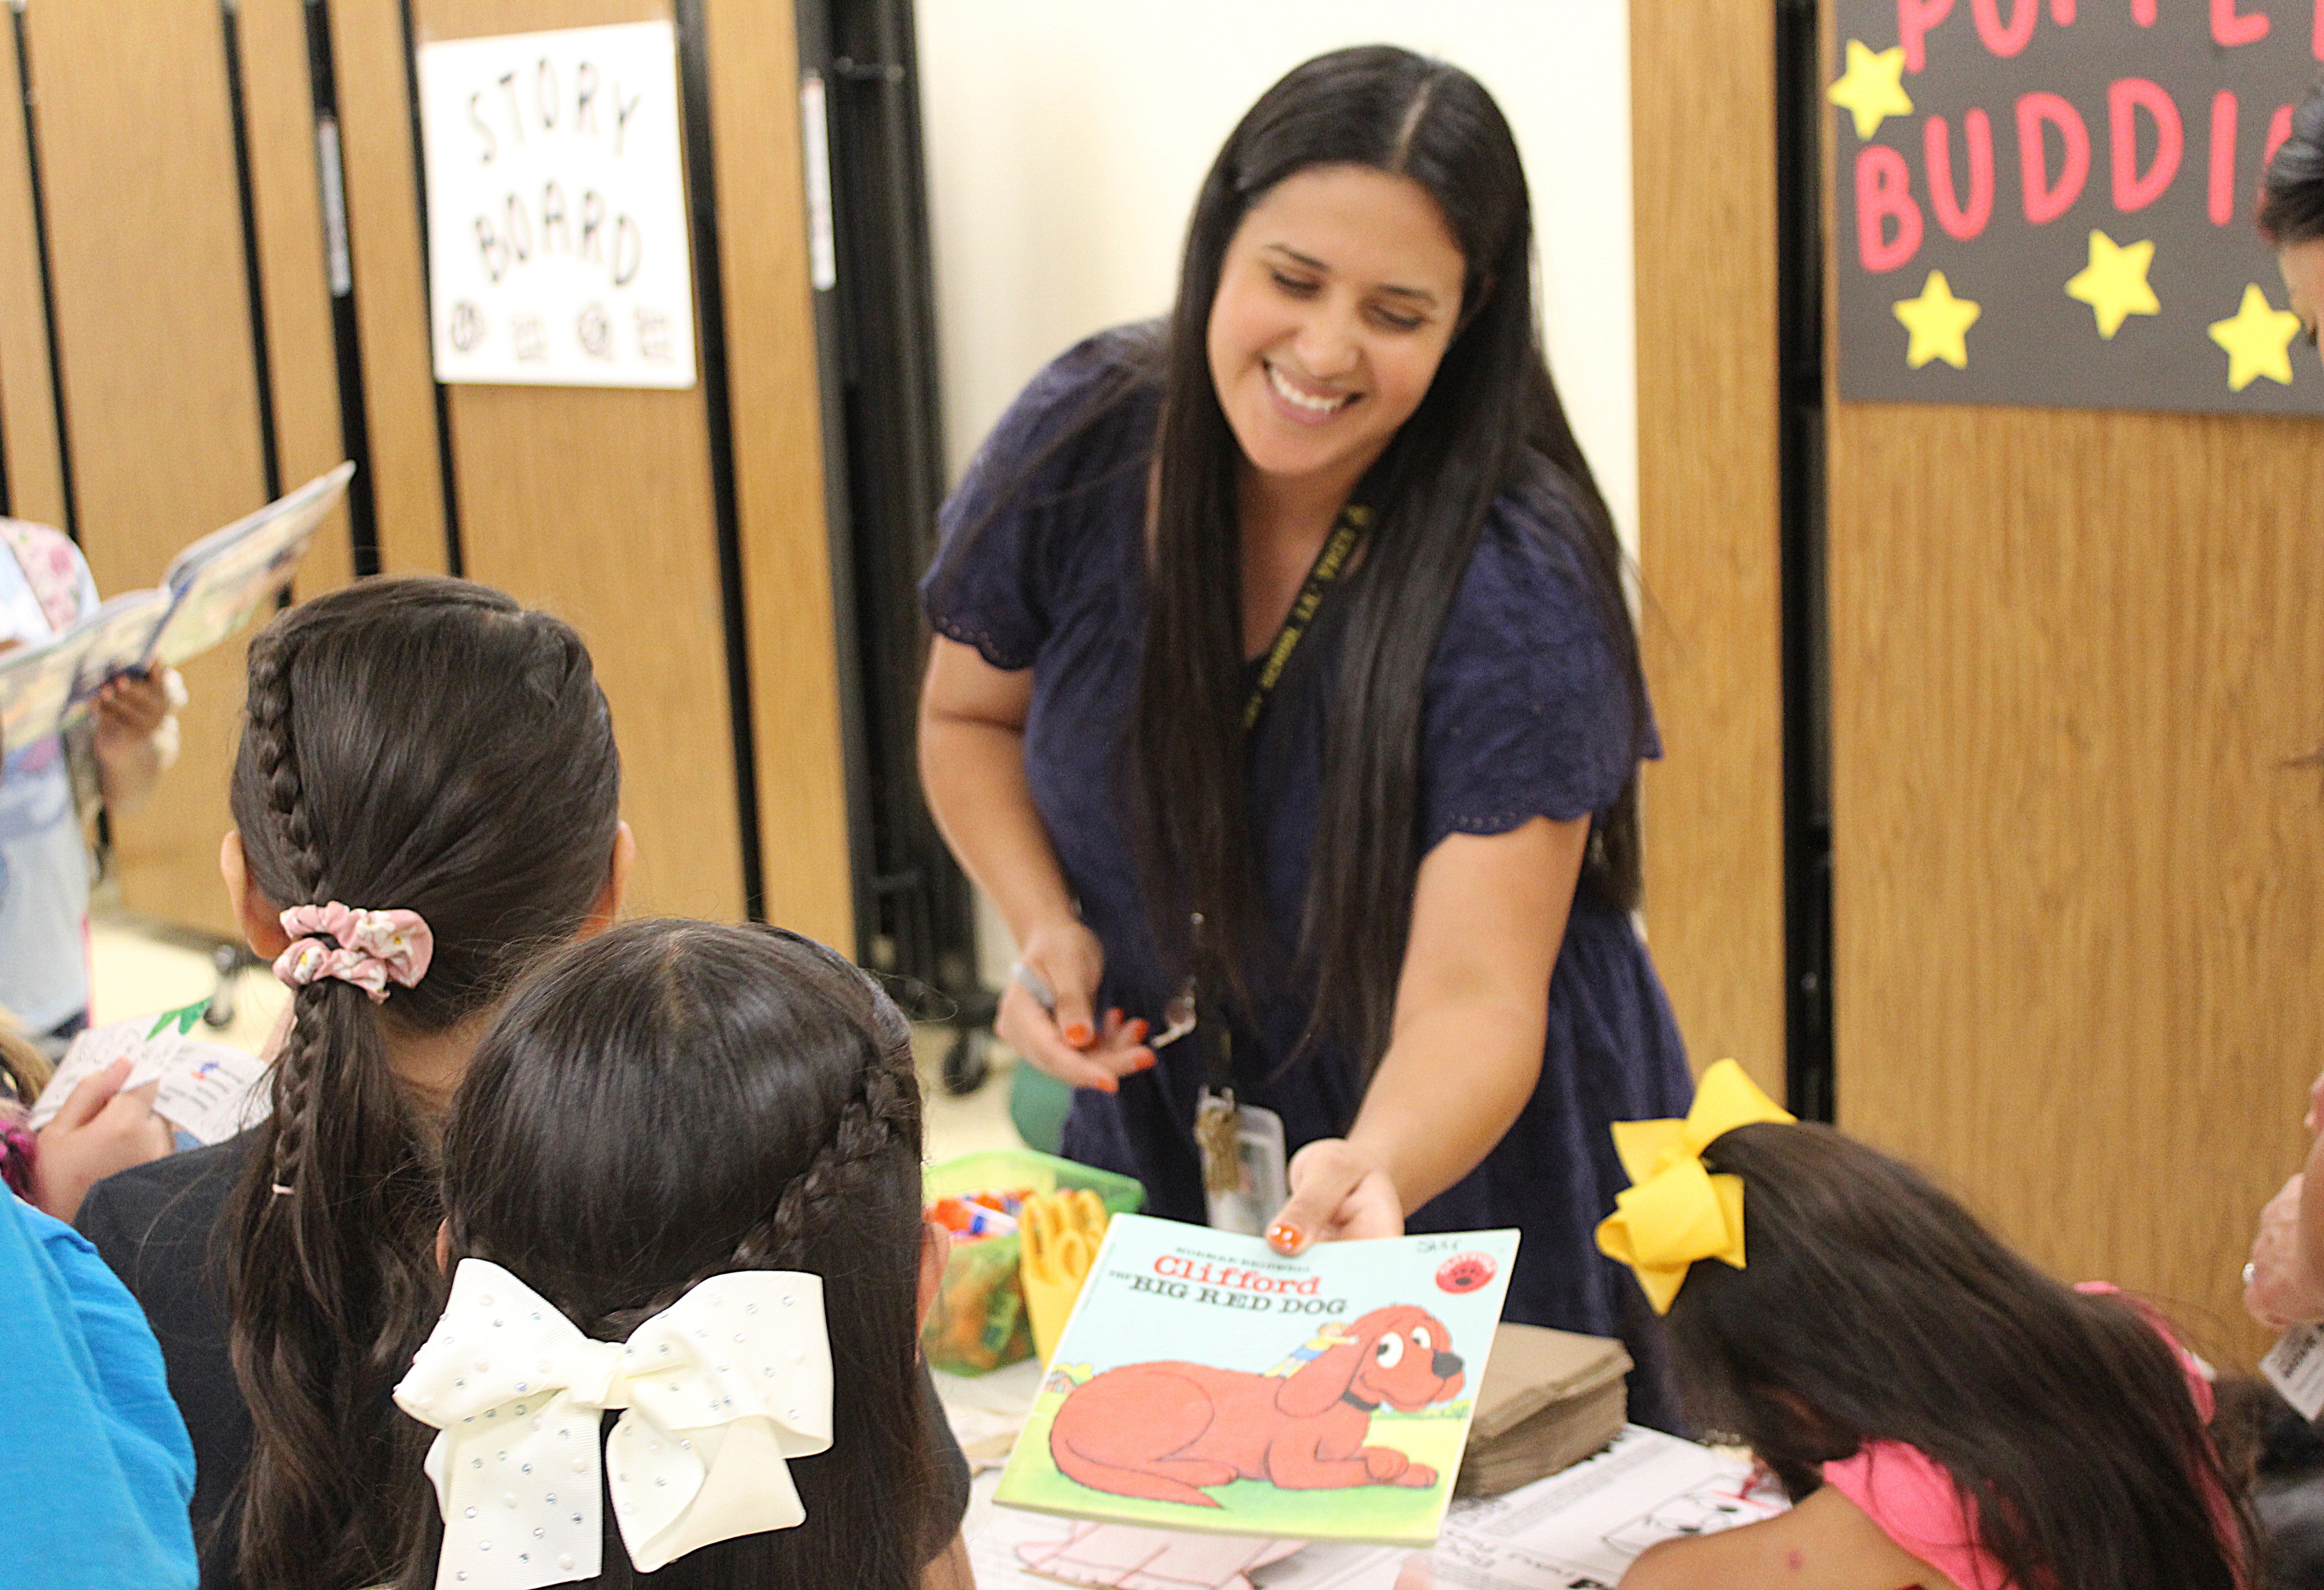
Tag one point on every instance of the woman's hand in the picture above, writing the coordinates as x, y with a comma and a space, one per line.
100, 1130
1337, 1191
973, 768
2284, 1288
1068, 1042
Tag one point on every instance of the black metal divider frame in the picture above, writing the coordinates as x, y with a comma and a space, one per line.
1810, 1070
875, 317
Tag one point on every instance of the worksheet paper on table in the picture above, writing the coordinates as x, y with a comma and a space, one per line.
1580, 1529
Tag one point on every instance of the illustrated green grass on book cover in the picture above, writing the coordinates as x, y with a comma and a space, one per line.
1205, 1381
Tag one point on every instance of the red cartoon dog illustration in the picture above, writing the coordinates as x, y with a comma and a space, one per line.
1166, 1431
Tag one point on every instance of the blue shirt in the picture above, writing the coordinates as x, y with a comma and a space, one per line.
1527, 713
93, 1459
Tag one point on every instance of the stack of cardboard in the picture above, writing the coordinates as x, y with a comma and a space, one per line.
1550, 1399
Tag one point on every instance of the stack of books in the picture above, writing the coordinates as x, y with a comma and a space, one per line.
1550, 1399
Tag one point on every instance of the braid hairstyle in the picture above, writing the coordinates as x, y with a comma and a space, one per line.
670, 1100
420, 744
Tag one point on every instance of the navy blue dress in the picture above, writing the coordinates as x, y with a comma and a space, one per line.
1525, 715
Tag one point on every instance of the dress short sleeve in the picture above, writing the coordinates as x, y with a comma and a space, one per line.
1000, 551
1913, 1500
1529, 711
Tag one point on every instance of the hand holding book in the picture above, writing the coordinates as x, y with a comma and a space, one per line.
211, 590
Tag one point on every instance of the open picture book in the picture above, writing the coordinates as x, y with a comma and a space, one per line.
1204, 1381
211, 590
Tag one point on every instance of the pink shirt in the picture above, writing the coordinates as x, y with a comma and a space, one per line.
1911, 1496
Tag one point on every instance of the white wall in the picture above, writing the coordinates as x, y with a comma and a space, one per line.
1065, 140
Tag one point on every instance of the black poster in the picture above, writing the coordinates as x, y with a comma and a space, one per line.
2050, 202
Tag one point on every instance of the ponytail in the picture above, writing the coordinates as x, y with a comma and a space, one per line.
421, 744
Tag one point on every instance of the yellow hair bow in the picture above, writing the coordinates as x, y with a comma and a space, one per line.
1674, 1211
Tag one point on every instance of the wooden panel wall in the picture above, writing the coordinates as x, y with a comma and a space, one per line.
390, 268
598, 504
1702, 85
286, 198
28, 415
160, 397
770, 342
2079, 897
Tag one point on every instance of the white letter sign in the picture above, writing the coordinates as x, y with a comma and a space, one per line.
556, 234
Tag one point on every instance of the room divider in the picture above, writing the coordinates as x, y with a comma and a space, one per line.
2040, 674
212, 243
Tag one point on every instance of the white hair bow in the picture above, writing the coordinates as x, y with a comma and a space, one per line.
720, 1388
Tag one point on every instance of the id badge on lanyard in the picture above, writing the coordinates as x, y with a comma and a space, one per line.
2295, 1367
1245, 1174
1246, 1178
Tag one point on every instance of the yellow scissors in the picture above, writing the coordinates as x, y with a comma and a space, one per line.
1059, 1233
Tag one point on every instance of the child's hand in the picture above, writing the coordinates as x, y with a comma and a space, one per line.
100, 1130
129, 707
136, 733
2283, 1291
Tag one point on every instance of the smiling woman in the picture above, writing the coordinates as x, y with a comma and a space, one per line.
1285, 685
1338, 296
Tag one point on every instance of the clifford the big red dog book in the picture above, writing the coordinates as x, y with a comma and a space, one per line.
1205, 1381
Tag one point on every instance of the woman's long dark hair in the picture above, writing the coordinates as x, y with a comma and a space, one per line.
1490, 423
2291, 188
414, 745
670, 1100
1873, 1308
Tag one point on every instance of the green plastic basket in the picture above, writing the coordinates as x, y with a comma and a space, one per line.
979, 1323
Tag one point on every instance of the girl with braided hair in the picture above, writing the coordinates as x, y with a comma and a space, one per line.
682, 1179
426, 800
431, 755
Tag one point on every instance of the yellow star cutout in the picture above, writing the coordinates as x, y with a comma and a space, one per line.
1873, 89
1939, 323
2114, 283
2258, 341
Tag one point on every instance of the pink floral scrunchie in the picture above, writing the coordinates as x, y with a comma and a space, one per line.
369, 948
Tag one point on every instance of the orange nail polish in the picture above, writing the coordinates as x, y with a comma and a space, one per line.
1079, 1035
1137, 1030
1107, 1084
1283, 1237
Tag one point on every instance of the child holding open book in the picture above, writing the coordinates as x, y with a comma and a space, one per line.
44, 861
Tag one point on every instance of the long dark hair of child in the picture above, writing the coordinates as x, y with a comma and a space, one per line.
1874, 1307
670, 1100
2291, 188
414, 745
1491, 420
